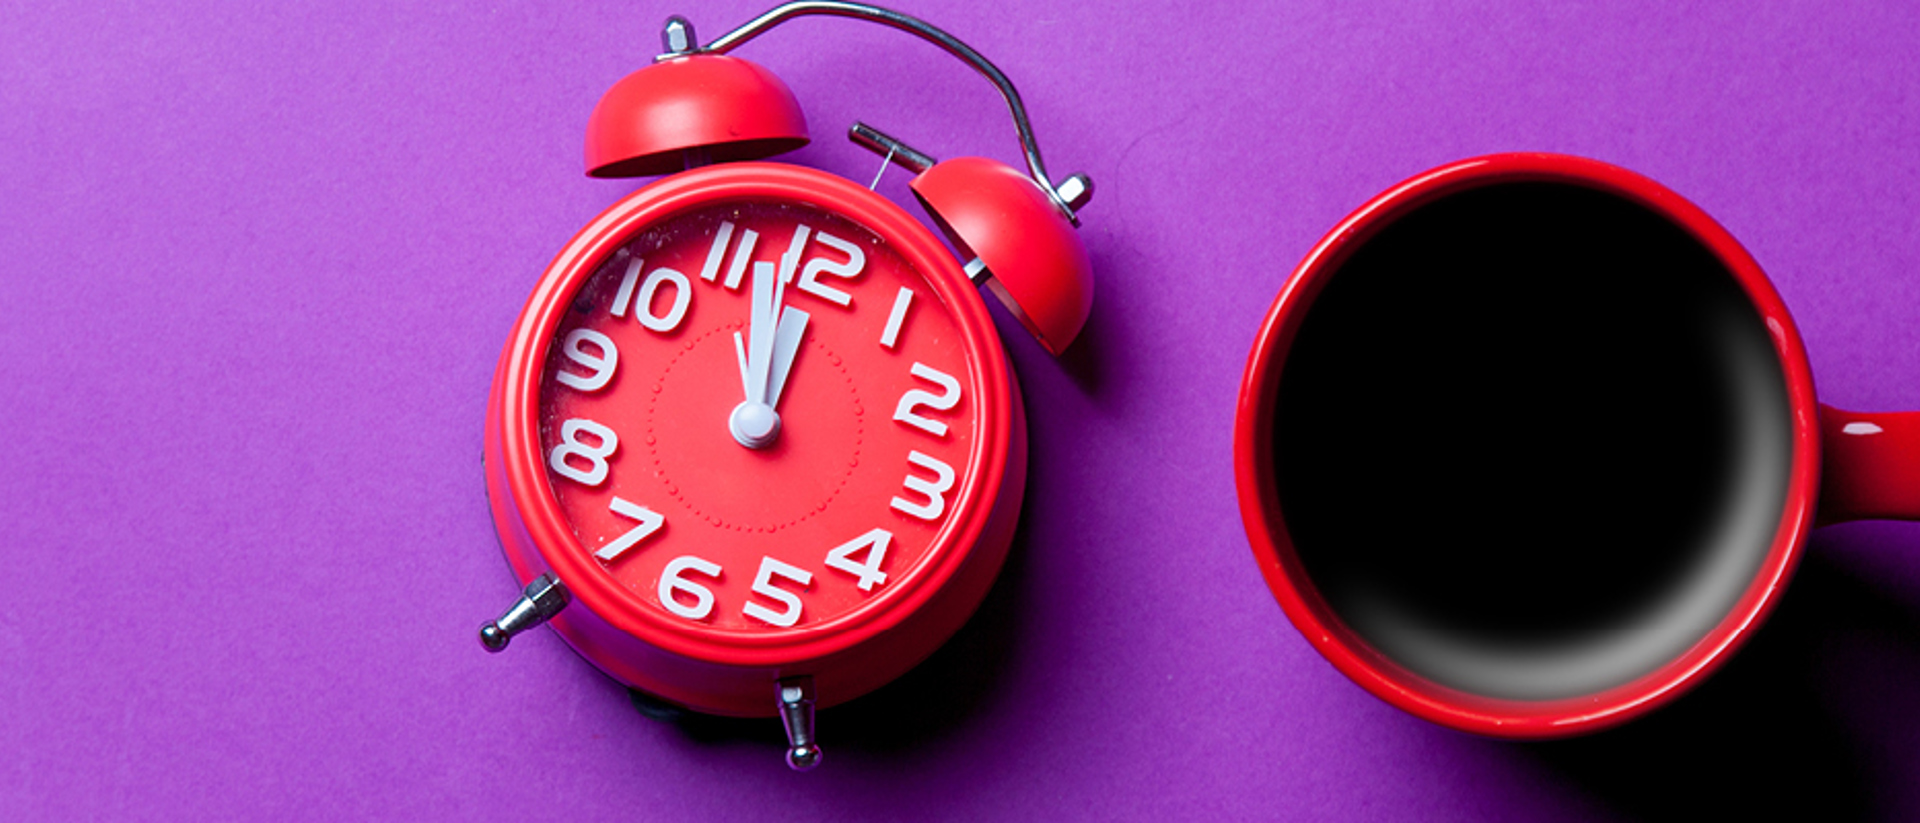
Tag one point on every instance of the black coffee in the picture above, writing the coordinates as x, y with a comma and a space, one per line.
1532, 441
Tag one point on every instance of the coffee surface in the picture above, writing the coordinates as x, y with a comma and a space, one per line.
1532, 441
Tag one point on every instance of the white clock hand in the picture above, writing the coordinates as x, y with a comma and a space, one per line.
766, 355
754, 423
740, 352
786, 343
760, 330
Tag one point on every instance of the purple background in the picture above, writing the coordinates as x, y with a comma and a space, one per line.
259, 262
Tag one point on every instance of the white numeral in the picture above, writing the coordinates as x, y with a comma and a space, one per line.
763, 586
671, 582
602, 364
935, 491
945, 401
624, 297
717, 251
851, 267
891, 334
650, 521
643, 304
741, 257
875, 544
790, 261
594, 455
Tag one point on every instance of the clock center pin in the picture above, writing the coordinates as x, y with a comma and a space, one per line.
754, 425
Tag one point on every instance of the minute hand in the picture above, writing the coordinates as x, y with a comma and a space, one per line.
754, 423
760, 331
789, 324
786, 343
775, 318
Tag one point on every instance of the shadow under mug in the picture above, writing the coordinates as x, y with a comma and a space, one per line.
1528, 446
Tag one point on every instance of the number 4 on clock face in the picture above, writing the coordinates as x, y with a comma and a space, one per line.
873, 545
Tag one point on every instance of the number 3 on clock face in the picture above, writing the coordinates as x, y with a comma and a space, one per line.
770, 429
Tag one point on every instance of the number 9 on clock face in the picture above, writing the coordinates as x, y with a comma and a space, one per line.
759, 423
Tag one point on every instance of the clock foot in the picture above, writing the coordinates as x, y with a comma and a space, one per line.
796, 713
542, 599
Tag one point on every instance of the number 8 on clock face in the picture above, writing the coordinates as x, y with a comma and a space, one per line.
759, 421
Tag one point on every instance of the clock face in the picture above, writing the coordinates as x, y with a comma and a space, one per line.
758, 419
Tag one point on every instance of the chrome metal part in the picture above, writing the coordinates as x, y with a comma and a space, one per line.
796, 713
890, 147
976, 270
677, 37
925, 31
1077, 190
538, 603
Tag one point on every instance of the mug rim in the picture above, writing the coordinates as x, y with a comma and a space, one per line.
1351, 654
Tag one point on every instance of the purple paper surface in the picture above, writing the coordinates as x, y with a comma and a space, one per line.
260, 262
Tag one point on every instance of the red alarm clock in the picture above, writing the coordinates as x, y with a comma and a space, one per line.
753, 445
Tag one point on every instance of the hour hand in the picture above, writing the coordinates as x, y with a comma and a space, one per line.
746, 380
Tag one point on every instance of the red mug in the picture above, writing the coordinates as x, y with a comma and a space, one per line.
1528, 446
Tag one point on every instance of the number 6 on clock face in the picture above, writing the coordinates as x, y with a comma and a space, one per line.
771, 417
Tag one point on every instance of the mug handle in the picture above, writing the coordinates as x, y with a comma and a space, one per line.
1871, 466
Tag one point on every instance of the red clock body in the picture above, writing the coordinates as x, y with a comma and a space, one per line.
759, 423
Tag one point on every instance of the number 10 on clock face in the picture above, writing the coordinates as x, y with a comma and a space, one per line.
771, 434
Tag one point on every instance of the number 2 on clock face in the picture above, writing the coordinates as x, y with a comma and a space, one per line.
661, 378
